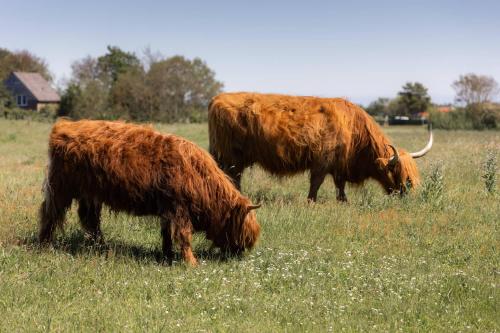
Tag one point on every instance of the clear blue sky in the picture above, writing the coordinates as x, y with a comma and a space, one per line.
356, 49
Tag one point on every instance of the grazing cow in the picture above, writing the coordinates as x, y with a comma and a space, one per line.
137, 170
291, 134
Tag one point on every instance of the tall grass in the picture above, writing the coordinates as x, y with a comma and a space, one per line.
378, 263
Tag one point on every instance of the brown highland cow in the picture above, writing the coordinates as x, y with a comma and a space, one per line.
135, 169
291, 134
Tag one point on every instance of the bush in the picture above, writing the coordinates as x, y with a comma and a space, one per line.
454, 120
477, 117
490, 172
45, 114
433, 186
485, 116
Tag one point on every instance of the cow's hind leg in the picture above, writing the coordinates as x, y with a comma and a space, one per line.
166, 233
90, 218
52, 212
317, 178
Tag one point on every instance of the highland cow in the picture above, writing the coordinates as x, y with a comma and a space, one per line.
286, 135
140, 171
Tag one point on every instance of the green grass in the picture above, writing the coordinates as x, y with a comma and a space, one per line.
379, 263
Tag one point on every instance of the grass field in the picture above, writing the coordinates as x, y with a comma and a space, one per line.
427, 262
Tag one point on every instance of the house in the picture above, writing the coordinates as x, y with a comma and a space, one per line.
31, 91
444, 108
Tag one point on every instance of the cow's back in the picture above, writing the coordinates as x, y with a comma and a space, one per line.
115, 163
135, 168
284, 134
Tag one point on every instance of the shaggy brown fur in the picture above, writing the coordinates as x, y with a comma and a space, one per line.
134, 169
291, 134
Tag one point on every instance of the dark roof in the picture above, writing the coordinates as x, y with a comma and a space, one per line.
38, 86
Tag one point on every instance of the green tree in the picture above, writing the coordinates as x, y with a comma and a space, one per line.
87, 93
92, 102
117, 62
413, 99
182, 88
396, 107
378, 107
69, 100
117, 85
131, 98
91, 92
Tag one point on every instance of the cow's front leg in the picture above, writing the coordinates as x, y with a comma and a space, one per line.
341, 196
89, 213
182, 230
234, 172
185, 236
317, 178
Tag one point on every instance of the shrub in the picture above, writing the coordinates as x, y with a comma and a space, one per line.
453, 120
490, 172
45, 114
433, 186
484, 116
476, 116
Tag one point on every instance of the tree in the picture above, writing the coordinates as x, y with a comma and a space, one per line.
117, 62
413, 99
69, 100
91, 102
395, 107
475, 89
22, 61
6, 98
91, 92
87, 93
84, 71
378, 107
131, 98
117, 85
181, 88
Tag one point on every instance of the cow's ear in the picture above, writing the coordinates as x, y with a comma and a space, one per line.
252, 207
382, 163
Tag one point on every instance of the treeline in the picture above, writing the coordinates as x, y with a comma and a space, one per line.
120, 85
479, 116
473, 109
411, 101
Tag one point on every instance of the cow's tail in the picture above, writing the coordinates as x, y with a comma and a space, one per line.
212, 129
55, 203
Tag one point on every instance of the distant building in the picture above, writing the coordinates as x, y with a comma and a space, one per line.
444, 108
31, 91
416, 119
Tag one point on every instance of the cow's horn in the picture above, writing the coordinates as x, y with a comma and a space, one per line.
428, 147
251, 207
395, 158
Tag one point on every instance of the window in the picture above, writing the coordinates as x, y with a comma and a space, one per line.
22, 100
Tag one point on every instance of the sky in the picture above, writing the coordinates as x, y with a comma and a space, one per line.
360, 50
